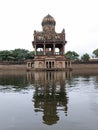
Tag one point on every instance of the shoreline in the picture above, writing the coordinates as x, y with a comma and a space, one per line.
76, 68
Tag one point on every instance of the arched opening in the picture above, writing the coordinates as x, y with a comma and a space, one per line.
40, 64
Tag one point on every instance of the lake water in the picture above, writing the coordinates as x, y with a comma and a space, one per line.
48, 101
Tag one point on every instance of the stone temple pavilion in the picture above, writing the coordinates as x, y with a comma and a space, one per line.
49, 48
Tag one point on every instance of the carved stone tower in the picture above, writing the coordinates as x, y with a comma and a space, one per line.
49, 47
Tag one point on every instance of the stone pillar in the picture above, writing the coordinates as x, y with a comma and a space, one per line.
44, 50
54, 48
45, 64
35, 49
63, 49
54, 64
70, 64
51, 64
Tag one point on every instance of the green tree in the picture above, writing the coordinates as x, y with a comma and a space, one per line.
85, 57
30, 55
19, 54
72, 55
5, 55
95, 52
16, 54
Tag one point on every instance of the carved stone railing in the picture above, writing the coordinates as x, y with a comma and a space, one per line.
49, 53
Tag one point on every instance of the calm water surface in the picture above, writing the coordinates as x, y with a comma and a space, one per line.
48, 100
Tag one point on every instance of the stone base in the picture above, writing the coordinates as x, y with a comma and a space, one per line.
49, 63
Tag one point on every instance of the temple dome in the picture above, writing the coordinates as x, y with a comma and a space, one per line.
48, 20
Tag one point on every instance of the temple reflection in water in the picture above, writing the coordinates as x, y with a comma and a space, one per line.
50, 94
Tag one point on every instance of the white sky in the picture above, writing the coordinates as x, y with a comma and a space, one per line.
19, 19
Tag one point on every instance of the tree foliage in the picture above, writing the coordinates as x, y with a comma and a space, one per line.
95, 52
16, 54
72, 55
20, 54
85, 57
5, 55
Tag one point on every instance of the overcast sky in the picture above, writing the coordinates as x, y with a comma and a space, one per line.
79, 18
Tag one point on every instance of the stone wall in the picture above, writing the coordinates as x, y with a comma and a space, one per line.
39, 64
75, 67
85, 68
13, 67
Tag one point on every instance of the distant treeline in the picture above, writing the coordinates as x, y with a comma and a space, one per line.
84, 58
16, 55
22, 55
